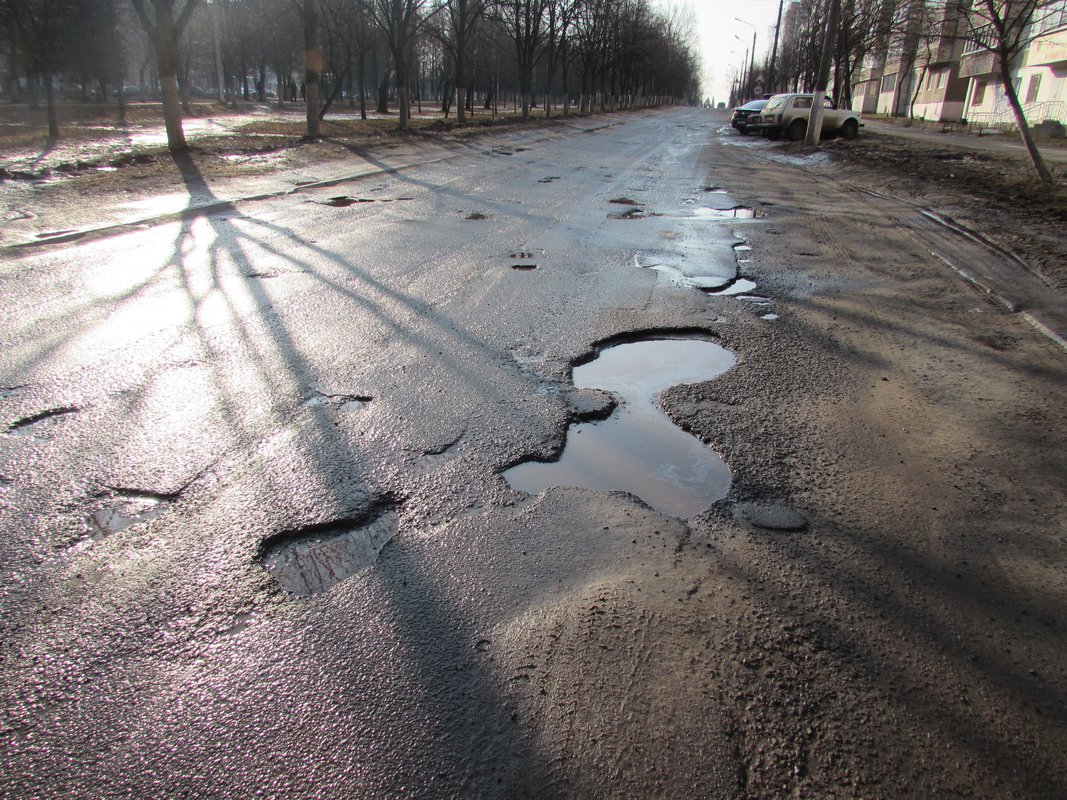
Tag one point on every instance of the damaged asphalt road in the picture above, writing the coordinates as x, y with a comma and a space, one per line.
257, 536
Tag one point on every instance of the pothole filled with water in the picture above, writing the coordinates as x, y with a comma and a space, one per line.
638, 449
311, 560
737, 212
128, 508
736, 287
343, 402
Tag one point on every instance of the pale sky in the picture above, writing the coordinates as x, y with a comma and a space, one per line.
717, 27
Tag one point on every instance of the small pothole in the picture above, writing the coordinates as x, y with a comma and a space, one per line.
36, 423
343, 402
313, 559
630, 213
343, 201
737, 212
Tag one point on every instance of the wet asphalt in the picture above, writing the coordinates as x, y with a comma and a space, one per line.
182, 401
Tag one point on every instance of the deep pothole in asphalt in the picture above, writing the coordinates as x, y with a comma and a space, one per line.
638, 449
41, 422
311, 560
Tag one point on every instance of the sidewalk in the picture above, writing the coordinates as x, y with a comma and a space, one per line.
1051, 151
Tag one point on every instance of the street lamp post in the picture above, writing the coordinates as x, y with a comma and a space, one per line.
751, 77
735, 88
744, 74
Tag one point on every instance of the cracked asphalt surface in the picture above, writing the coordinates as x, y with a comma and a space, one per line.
875, 610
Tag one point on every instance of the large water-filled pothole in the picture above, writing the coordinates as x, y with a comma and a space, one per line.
310, 560
638, 449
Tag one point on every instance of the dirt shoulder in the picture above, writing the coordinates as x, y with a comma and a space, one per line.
103, 174
908, 642
994, 193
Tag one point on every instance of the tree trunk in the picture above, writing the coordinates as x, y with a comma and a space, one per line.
461, 85
362, 85
167, 64
566, 82
335, 90
383, 96
405, 111
915, 94
312, 67
50, 107
1042, 169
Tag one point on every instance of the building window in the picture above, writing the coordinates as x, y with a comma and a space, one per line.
889, 82
1049, 17
942, 78
1033, 88
979, 93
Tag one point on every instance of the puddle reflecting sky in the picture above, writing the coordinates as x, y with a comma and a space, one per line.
638, 449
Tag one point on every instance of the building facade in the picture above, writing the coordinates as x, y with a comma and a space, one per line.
946, 74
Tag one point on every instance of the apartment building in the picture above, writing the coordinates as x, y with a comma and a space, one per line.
1040, 77
937, 71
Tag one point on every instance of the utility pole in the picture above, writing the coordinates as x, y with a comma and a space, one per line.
823, 77
774, 49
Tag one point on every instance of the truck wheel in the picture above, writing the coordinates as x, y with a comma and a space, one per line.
797, 129
850, 129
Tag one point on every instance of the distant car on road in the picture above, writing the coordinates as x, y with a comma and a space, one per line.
742, 114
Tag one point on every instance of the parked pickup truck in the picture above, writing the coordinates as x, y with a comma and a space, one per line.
788, 114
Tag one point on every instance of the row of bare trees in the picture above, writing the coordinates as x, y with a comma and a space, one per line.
615, 52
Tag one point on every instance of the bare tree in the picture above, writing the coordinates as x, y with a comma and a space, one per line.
400, 22
526, 25
164, 21
37, 27
461, 17
1005, 29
